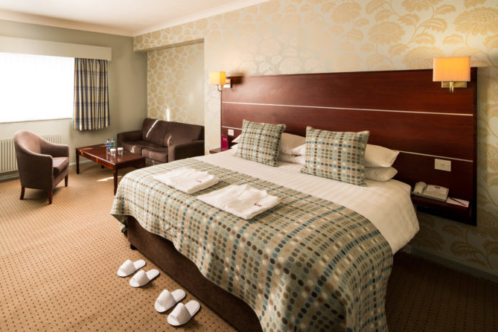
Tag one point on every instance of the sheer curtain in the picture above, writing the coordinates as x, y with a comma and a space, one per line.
35, 87
91, 94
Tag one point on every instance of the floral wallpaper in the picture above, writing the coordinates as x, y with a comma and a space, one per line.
310, 36
175, 89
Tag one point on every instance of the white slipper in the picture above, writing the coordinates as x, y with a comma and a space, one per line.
142, 278
167, 300
129, 267
182, 314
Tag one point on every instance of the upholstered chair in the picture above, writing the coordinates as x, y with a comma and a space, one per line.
42, 165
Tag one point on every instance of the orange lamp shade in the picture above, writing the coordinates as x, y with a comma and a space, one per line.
453, 69
218, 78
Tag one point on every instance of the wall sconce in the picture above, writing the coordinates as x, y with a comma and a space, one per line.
220, 80
452, 72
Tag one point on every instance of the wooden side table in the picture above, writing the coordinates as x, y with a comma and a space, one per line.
463, 214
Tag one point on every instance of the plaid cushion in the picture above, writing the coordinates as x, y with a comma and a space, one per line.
260, 142
336, 155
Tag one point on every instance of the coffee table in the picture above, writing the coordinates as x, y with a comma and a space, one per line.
98, 154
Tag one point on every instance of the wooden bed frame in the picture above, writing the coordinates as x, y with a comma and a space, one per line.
404, 110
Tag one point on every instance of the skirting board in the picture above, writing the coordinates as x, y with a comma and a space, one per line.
15, 174
454, 265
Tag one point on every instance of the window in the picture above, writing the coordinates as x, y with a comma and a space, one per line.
35, 87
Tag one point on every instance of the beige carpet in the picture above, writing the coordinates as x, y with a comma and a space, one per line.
58, 263
58, 268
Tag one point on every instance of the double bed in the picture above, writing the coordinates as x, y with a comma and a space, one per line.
320, 260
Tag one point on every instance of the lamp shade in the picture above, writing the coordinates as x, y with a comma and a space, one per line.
218, 78
454, 69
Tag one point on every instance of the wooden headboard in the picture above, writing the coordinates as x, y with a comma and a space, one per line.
403, 110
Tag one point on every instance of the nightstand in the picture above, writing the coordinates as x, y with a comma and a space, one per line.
213, 151
462, 214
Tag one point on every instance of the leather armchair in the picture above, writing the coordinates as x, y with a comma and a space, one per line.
41, 164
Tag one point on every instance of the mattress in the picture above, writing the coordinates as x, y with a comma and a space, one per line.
386, 204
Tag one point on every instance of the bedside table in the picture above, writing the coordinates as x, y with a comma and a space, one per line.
213, 151
466, 215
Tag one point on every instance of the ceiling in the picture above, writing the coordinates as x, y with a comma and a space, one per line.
121, 17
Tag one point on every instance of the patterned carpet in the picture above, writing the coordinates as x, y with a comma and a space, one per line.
58, 268
424, 296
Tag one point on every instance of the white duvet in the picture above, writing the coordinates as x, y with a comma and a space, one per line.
386, 204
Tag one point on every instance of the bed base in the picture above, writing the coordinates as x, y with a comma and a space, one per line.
181, 269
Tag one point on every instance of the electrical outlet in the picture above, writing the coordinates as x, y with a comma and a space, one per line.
230, 132
442, 165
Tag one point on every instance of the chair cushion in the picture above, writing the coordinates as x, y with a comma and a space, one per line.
137, 146
60, 164
159, 154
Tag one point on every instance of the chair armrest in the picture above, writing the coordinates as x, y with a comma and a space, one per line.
186, 150
135, 135
54, 150
35, 169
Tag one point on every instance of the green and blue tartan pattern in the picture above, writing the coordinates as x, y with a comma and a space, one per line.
260, 142
306, 265
338, 156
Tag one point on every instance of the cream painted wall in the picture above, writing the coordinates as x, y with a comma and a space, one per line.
175, 89
127, 80
308, 36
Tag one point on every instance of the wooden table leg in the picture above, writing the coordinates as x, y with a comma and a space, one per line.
115, 172
77, 162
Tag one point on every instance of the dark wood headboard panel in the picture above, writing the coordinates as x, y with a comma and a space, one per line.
403, 110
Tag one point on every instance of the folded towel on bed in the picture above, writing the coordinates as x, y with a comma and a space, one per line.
187, 179
243, 201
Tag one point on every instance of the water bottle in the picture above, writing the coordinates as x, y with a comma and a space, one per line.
108, 146
113, 143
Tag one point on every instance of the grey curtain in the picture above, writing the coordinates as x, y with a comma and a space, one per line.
91, 94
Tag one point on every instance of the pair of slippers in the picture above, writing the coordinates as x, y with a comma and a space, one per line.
141, 278
181, 314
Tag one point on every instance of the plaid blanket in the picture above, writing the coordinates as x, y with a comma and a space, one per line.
307, 264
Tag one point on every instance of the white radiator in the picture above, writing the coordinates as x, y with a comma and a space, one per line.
8, 162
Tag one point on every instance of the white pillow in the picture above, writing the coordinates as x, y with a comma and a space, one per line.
375, 155
292, 159
287, 142
300, 150
281, 156
237, 139
380, 173
379, 156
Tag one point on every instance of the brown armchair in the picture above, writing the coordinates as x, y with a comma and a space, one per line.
42, 165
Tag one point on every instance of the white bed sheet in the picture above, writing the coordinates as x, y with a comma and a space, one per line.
386, 204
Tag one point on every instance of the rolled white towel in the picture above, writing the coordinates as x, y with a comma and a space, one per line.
187, 179
243, 201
